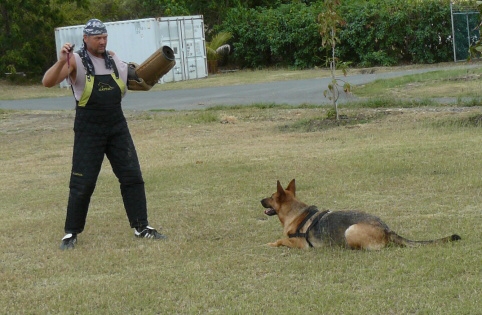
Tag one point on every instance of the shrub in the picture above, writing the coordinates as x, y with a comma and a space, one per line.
286, 35
388, 32
378, 32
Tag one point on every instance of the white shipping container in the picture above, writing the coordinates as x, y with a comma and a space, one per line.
136, 40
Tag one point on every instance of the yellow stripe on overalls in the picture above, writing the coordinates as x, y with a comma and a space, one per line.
89, 86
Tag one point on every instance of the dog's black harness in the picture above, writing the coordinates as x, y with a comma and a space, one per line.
311, 219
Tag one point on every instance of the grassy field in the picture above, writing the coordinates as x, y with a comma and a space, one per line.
206, 172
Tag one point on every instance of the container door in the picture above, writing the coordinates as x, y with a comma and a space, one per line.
170, 35
195, 50
185, 35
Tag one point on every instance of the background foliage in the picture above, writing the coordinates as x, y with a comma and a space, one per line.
389, 32
265, 32
286, 35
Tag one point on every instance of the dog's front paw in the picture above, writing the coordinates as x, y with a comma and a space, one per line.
275, 244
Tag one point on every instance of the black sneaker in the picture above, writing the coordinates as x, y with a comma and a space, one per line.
68, 241
148, 232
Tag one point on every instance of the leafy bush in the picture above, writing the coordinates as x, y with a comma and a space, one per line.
293, 34
377, 32
431, 41
286, 35
249, 41
388, 32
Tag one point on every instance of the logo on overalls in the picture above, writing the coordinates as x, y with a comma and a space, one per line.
103, 87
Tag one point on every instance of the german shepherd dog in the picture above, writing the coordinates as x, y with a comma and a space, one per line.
305, 226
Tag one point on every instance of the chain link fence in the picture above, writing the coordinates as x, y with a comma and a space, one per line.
465, 29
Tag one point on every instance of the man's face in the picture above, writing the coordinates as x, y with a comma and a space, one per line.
96, 44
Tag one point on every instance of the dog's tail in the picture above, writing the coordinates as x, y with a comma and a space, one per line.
403, 242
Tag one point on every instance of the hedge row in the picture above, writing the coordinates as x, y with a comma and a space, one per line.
377, 32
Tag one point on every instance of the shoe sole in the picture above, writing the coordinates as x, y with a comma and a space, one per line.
69, 245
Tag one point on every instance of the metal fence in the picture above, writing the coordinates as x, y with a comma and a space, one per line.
465, 30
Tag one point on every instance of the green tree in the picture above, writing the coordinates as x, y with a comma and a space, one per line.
27, 34
157, 8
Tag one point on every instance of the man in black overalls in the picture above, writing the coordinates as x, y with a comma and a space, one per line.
98, 79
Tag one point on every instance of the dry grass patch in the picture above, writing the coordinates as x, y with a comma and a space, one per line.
449, 82
205, 173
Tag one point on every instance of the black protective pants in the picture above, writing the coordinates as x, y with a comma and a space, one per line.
99, 133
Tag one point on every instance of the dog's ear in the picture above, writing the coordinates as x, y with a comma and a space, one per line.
292, 187
281, 191
279, 187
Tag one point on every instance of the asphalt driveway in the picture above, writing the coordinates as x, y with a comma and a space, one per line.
294, 92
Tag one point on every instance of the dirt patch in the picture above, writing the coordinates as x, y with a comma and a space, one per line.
351, 120
468, 77
360, 117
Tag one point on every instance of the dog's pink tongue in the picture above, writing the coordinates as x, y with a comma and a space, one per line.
270, 211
